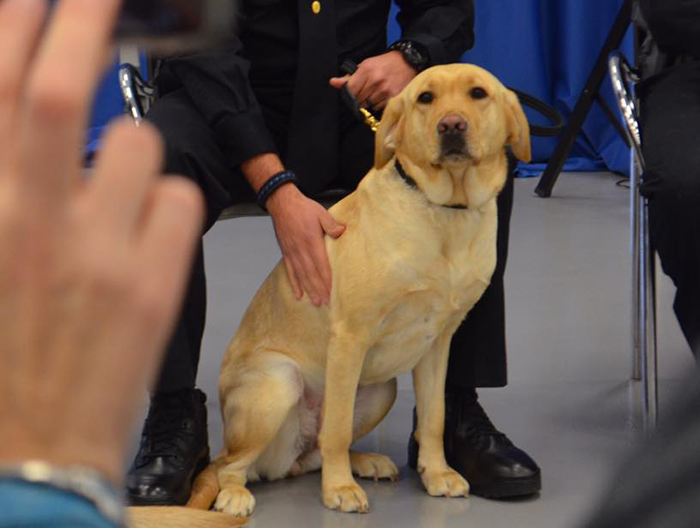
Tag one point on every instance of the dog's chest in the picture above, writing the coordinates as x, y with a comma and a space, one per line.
422, 315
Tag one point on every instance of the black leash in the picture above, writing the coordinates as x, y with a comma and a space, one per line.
361, 114
551, 114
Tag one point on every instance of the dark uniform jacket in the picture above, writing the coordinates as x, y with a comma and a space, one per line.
268, 91
675, 25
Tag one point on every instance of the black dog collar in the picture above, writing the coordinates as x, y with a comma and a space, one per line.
412, 183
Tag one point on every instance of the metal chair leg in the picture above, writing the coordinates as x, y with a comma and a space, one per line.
643, 264
636, 264
647, 323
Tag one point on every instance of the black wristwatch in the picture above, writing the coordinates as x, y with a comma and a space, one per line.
413, 53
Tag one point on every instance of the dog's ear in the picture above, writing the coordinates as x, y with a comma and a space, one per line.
389, 132
518, 127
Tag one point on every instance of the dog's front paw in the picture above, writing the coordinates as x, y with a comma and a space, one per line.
236, 501
347, 498
445, 483
373, 466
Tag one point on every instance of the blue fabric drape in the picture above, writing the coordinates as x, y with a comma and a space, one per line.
547, 48
108, 104
543, 47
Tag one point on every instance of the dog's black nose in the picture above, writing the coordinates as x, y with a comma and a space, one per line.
452, 124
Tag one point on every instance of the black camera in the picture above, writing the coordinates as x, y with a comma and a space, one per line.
174, 25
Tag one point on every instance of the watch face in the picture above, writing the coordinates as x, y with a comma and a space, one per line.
411, 54
414, 57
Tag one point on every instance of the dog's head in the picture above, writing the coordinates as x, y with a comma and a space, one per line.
450, 127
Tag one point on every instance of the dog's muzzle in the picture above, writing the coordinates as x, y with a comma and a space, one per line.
452, 131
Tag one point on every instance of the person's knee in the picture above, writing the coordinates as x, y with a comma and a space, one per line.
185, 133
670, 122
677, 181
177, 148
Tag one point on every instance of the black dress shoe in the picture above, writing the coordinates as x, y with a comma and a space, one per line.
493, 466
174, 449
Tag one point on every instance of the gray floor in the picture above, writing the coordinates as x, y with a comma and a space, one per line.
569, 402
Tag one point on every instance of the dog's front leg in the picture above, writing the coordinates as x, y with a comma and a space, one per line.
346, 353
429, 383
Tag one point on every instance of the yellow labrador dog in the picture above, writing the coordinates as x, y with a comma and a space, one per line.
300, 384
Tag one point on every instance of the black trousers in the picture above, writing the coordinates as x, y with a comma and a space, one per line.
670, 122
478, 355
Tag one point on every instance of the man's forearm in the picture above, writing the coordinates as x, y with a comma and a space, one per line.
259, 169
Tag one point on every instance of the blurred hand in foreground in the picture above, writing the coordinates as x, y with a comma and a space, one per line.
91, 272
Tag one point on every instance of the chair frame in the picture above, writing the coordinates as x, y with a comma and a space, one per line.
644, 344
138, 95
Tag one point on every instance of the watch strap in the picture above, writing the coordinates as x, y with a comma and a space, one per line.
85, 482
414, 53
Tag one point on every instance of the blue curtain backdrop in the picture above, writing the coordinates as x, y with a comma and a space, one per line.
108, 104
543, 47
547, 48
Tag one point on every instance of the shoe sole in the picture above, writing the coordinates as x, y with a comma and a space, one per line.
502, 489
510, 488
134, 500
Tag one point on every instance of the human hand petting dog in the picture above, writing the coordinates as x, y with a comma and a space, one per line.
377, 79
91, 272
300, 224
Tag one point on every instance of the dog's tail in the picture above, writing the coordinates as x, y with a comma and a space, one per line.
206, 486
179, 517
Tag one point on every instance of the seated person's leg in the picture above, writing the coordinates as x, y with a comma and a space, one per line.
670, 115
174, 443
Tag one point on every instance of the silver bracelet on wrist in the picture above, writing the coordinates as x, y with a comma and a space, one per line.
78, 480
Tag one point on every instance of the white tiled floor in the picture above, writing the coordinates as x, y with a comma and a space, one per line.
569, 402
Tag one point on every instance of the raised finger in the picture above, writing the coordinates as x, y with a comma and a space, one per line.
171, 224
160, 262
58, 96
20, 26
130, 160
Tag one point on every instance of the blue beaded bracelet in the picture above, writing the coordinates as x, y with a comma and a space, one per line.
274, 183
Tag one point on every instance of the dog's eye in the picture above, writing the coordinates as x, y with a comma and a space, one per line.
426, 98
478, 93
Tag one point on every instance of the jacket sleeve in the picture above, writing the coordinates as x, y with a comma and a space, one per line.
38, 506
218, 83
674, 24
445, 28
